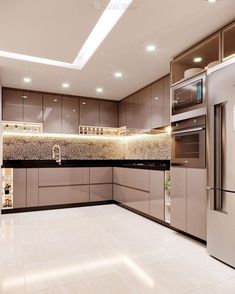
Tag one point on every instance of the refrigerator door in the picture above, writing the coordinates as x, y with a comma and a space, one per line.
220, 230
221, 164
221, 129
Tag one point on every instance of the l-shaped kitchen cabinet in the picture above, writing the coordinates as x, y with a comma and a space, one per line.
141, 189
189, 200
34, 187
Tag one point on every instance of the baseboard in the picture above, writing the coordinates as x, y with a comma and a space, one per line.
59, 206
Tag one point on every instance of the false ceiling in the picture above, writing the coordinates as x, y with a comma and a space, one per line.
57, 30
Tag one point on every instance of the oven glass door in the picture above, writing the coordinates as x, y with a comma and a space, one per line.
189, 149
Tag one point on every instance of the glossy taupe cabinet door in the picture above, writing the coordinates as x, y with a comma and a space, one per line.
19, 187
63, 195
32, 107
130, 112
32, 187
89, 112
70, 115
157, 104
63, 176
197, 202
119, 193
101, 175
138, 110
101, 192
157, 196
147, 105
108, 114
122, 113
12, 104
167, 111
51, 114
179, 198
137, 199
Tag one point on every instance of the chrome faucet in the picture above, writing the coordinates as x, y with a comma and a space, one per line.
56, 154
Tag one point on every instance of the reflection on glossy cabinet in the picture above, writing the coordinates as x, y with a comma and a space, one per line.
70, 115
101, 192
122, 113
197, 202
147, 104
89, 112
157, 196
52, 113
32, 187
108, 114
101, 175
178, 198
19, 187
12, 104
167, 110
32, 107
157, 104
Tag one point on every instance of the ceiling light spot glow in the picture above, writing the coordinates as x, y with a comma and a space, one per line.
65, 85
197, 59
27, 80
118, 74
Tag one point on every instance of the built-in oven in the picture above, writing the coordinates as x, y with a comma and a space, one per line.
188, 95
188, 148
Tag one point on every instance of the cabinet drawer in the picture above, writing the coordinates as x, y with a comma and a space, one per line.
136, 199
99, 175
101, 192
119, 193
63, 195
133, 178
63, 176
157, 195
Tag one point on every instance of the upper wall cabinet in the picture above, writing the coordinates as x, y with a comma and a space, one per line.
89, 112
130, 112
52, 114
194, 61
167, 101
228, 37
122, 113
32, 107
70, 115
12, 103
157, 104
147, 106
108, 114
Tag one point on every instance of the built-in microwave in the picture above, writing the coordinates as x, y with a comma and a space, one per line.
188, 95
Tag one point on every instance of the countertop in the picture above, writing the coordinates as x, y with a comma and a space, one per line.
128, 163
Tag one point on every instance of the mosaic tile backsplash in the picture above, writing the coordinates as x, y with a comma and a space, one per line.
16, 147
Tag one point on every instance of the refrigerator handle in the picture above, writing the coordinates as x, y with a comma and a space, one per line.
219, 148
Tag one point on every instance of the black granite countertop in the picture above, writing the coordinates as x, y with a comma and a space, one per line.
128, 163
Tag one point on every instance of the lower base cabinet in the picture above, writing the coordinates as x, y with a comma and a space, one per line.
157, 195
133, 198
101, 192
19, 188
189, 200
63, 195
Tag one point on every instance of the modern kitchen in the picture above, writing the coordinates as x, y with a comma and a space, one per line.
117, 133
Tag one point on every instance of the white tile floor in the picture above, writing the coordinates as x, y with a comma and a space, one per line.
103, 249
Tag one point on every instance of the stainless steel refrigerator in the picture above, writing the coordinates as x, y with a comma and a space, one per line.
221, 164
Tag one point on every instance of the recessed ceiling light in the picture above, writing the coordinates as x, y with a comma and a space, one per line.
197, 59
74, 110
151, 48
211, 1
84, 103
156, 98
99, 90
27, 80
65, 85
111, 15
55, 100
118, 74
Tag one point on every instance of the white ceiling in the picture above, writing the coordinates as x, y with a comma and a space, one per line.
57, 30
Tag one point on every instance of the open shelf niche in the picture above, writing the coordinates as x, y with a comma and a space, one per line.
7, 188
167, 196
